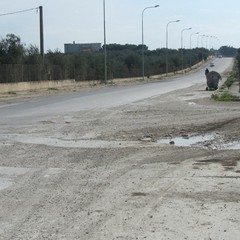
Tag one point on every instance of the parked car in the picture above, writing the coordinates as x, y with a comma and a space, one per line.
212, 64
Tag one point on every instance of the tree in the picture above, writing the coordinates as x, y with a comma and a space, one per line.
55, 57
11, 50
238, 59
32, 55
227, 51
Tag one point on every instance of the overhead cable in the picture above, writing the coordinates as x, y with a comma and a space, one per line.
11, 13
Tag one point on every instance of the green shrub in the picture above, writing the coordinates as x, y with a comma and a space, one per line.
225, 97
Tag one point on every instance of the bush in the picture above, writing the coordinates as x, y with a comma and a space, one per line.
225, 97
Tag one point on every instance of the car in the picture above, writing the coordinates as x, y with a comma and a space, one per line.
212, 64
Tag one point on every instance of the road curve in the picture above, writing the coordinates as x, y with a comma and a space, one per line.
47, 107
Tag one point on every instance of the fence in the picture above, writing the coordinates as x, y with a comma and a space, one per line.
11, 73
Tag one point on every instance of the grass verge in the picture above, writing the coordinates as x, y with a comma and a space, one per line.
225, 97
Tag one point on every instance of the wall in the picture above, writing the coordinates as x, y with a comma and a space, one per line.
25, 86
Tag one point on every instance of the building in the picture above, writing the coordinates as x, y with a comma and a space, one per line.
81, 47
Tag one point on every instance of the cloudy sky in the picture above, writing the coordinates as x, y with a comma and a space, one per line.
81, 21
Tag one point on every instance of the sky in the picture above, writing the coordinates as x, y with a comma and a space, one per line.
82, 21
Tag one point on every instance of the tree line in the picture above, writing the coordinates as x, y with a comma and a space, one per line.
238, 64
227, 51
24, 63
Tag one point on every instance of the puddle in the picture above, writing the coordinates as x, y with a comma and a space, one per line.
234, 145
69, 143
187, 141
213, 141
210, 140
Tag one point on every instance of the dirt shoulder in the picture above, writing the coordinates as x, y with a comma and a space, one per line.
102, 174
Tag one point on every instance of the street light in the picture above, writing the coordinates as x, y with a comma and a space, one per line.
143, 39
198, 39
191, 38
191, 47
185, 29
167, 43
207, 41
200, 36
202, 39
211, 42
217, 43
214, 42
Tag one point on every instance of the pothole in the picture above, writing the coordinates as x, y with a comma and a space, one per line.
138, 194
186, 141
206, 141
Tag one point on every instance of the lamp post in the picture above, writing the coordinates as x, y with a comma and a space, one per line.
185, 29
105, 47
202, 36
191, 47
167, 43
211, 42
217, 42
198, 39
202, 39
207, 41
214, 42
143, 40
191, 38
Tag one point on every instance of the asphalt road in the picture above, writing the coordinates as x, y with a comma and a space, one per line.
47, 107
103, 173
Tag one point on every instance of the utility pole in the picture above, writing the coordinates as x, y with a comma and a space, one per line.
41, 31
105, 46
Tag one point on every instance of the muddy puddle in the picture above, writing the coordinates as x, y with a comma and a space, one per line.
68, 143
206, 141
233, 145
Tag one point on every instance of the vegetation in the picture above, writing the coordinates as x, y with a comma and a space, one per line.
235, 71
21, 63
238, 59
233, 76
227, 51
225, 97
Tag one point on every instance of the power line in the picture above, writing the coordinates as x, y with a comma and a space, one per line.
41, 22
11, 13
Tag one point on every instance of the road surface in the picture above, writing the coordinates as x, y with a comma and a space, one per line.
92, 166
47, 107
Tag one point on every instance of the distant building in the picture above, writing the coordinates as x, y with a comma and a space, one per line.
81, 47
